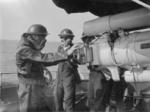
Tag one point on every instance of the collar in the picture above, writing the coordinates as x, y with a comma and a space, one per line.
25, 42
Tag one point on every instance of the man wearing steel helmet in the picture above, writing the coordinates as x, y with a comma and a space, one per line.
67, 76
30, 63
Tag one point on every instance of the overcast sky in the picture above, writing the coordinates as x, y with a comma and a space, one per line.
17, 15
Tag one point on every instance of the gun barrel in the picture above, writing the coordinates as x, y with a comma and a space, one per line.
131, 20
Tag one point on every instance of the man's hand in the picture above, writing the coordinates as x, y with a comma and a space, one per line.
73, 48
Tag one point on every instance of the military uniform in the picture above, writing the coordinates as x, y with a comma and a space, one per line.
67, 78
30, 64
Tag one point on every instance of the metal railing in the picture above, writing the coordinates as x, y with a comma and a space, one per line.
8, 80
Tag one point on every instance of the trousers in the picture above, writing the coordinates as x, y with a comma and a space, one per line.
32, 98
65, 95
96, 91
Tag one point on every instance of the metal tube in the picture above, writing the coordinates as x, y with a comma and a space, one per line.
135, 19
142, 3
143, 76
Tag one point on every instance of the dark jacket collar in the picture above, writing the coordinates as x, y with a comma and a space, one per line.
25, 42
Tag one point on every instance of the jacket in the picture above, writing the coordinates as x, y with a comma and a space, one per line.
30, 61
68, 70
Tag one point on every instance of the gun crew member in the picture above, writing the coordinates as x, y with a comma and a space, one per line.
67, 76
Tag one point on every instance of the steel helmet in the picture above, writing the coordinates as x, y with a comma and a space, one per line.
66, 33
37, 29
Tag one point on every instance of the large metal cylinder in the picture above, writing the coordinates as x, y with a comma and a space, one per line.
143, 76
129, 20
130, 50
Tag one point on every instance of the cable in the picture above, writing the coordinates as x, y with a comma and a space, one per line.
135, 87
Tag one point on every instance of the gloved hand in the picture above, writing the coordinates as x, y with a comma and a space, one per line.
73, 48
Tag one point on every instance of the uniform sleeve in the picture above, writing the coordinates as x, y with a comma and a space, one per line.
46, 59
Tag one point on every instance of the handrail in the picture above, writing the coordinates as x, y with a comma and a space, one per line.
3, 73
8, 73
16, 72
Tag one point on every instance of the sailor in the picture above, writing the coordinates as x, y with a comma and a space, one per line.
67, 76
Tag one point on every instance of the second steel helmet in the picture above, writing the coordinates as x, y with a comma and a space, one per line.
66, 32
37, 29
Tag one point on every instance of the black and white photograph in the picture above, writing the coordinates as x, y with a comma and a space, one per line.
74, 55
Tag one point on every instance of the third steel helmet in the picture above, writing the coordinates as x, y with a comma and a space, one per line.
66, 33
37, 29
